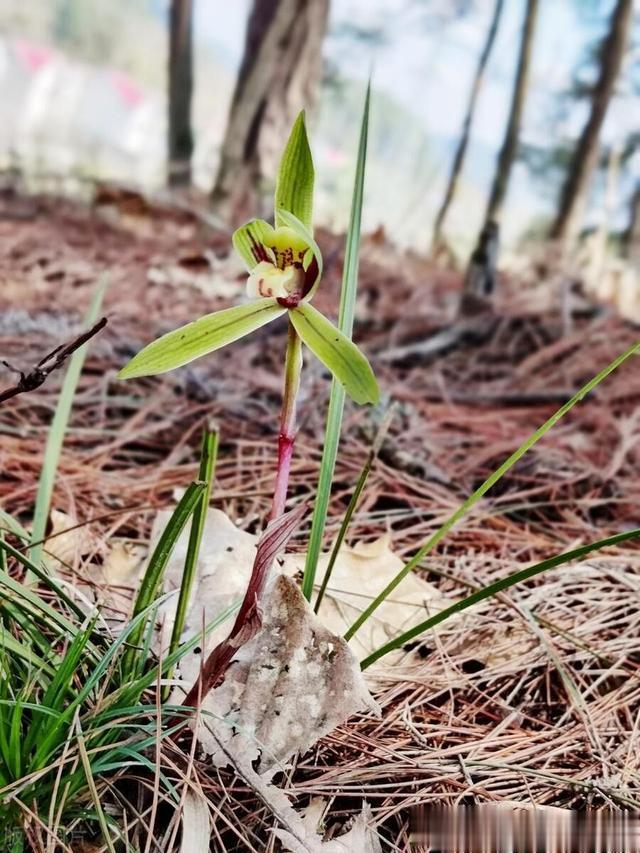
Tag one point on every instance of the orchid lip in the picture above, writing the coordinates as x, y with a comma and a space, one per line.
291, 301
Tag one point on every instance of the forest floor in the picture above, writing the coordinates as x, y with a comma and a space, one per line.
535, 697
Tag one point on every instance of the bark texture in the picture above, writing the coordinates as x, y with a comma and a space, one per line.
278, 76
631, 235
461, 150
509, 148
574, 191
180, 91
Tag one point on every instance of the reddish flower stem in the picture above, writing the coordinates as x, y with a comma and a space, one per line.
287, 436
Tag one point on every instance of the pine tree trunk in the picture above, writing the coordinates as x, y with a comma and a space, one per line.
279, 76
461, 150
631, 235
180, 90
583, 162
509, 148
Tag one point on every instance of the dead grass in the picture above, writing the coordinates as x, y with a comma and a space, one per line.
534, 697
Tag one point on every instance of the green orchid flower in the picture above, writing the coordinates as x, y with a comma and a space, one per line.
284, 267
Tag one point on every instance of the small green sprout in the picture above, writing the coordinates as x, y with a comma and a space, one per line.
285, 267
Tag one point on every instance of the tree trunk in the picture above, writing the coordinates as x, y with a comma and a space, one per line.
278, 76
461, 150
509, 148
585, 155
180, 90
631, 235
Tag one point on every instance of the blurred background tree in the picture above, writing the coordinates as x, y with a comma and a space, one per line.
278, 76
509, 149
461, 148
180, 92
583, 161
126, 89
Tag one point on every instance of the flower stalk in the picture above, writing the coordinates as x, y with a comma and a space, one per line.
287, 434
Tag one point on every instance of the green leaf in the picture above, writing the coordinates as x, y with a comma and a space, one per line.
56, 434
208, 457
288, 220
294, 188
495, 588
201, 337
345, 324
249, 240
337, 352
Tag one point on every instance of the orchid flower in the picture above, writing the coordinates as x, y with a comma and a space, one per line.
285, 266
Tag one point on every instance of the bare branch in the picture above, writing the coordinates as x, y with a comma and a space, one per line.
52, 361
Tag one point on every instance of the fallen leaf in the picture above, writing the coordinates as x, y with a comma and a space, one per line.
359, 575
299, 833
360, 838
222, 574
66, 542
293, 683
196, 824
122, 564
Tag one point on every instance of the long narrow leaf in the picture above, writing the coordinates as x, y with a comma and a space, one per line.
25, 598
34, 569
345, 324
351, 508
89, 685
494, 589
208, 457
57, 432
488, 483
91, 784
201, 337
157, 564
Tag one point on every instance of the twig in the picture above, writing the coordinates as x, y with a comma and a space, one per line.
52, 361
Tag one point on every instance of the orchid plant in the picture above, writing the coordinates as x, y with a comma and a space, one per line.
284, 265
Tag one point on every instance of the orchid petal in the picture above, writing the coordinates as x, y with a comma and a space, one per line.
250, 242
336, 352
294, 187
201, 337
304, 234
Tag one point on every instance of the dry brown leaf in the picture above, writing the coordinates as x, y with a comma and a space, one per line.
287, 687
123, 562
222, 573
360, 838
196, 824
359, 574
65, 542
299, 833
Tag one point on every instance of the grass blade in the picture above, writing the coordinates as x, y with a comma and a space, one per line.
158, 563
57, 432
36, 571
345, 324
494, 589
208, 456
488, 483
166, 543
91, 784
353, 503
